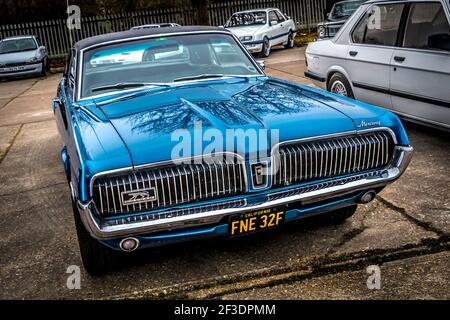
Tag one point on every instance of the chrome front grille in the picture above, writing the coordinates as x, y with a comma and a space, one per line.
169, 185
304, 161
163, 186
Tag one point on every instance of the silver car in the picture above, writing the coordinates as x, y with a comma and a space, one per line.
22, 56
392, 54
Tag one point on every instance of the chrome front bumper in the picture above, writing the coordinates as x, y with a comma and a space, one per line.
252, 48
103, 230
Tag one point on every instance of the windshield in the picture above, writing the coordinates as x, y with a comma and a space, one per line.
247, 19
163, 60
345, 9
17, 45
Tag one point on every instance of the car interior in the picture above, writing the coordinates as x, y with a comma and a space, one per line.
425, 33
167, 62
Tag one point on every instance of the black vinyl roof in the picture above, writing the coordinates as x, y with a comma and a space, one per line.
92, 41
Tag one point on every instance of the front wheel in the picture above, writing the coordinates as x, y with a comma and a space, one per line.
97, 258
266, 48
290, 43
338, 216
339, 85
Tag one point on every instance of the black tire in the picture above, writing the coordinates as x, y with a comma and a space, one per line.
338, 216
290, 43
265, 52
339, 84
97, 258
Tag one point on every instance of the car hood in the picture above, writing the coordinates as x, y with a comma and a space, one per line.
17, 57
152, 122
246, 30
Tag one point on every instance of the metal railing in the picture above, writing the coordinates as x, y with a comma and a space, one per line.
57, 37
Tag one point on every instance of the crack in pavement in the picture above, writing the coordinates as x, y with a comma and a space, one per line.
11, 144
309, 268
425, 225
21, 93
28, 122
348, 236
33, 189
321, 269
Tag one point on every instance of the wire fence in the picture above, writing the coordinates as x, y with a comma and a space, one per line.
58, 39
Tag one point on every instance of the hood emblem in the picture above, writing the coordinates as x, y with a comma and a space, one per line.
138, 196
364, 124
259, 174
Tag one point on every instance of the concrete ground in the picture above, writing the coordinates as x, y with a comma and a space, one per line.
405, 231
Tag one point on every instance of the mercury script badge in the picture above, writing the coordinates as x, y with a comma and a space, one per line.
364, 124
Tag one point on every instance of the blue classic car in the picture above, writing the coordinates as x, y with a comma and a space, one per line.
175, 134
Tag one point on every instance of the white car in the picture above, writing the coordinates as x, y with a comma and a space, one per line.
392, 54
259, 30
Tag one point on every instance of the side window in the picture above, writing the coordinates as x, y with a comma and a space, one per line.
427, 27
380, 25
280, 17
273, 17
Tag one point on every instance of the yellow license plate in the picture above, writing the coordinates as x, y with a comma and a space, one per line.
255, 221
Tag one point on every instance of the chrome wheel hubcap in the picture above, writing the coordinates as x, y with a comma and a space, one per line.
339, 88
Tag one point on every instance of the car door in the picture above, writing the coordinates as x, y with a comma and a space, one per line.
420, 71
274, 28
284, 27
370, 52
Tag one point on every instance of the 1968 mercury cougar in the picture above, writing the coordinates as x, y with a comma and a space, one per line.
139, 110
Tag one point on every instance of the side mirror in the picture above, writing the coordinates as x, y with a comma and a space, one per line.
439, 41
261, 64
273, 22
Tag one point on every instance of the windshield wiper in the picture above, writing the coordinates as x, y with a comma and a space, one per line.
127, 85
198, 77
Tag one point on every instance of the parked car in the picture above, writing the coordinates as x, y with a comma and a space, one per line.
22, 56
129, 191
260, 30
156, 25
337, 17
395, 55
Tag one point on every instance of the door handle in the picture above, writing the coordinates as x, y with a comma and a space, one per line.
399, 59
353, 53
